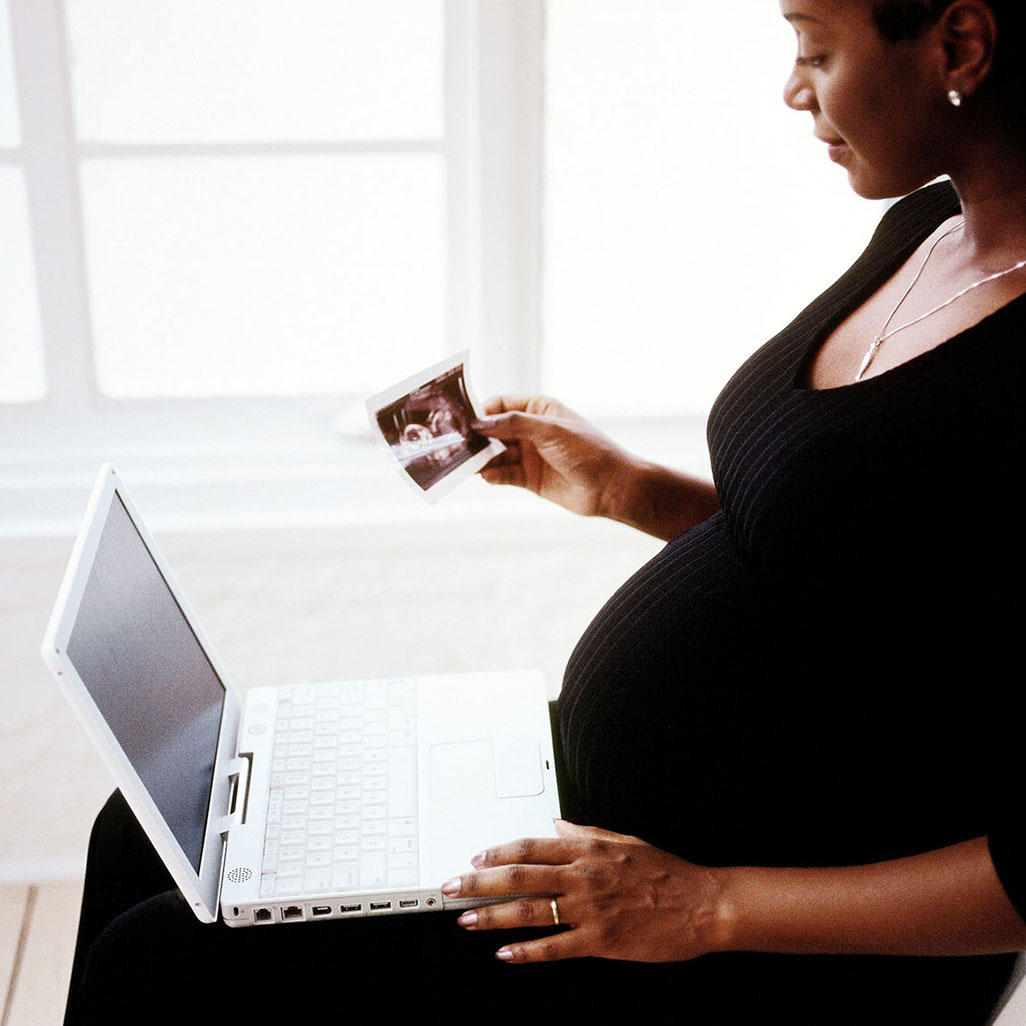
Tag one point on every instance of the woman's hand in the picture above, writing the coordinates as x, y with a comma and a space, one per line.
554, 453
620, 897
560, 456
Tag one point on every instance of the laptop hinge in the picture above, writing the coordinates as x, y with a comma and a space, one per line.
240, 771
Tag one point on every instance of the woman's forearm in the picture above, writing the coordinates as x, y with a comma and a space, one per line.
659, 501
944, 902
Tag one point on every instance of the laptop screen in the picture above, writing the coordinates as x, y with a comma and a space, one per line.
150, 678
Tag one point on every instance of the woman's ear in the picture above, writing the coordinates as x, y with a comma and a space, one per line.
967, 32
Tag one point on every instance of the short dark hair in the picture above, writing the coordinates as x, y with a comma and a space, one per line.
898, 20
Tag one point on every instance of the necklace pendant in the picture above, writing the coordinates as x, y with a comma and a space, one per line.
868, 358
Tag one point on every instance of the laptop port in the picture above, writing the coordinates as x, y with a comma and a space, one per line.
292, 912
321, 910
410, 903
380, 906
350, 908
262, 915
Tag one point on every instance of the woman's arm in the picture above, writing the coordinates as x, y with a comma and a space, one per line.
560, 456
624, 899
944, 902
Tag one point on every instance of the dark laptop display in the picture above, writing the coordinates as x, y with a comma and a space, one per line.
149, 677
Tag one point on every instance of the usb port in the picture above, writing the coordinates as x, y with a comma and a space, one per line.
350, 908
380, 906
321, 910
409, 903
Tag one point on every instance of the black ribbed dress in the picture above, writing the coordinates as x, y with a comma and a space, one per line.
829, 671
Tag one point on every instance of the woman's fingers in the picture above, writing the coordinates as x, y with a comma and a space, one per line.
605, 894
505, 474
518, 914
528, 851
517, 426
529, 866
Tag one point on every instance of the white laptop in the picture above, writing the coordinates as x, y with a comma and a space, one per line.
302, 802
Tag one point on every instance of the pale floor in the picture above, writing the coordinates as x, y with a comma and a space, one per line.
37, 941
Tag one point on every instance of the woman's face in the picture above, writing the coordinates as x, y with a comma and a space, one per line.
875, 103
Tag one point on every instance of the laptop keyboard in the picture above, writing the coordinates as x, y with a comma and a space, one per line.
342, 811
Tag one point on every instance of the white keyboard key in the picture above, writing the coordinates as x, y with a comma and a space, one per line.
372, 870
345, 875
318, 879
402, 782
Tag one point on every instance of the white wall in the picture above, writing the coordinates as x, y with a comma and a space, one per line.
314, 603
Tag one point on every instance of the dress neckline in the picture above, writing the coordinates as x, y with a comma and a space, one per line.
940, 195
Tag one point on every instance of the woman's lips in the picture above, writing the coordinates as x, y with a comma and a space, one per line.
837, 149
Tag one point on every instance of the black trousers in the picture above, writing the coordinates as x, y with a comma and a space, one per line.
142, 957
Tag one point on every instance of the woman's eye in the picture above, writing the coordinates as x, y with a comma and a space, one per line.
810, 62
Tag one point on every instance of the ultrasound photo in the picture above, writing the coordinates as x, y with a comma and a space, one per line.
426, 423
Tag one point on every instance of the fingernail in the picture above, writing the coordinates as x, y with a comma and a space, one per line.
452, 886
468, 919
478, 860
504, 955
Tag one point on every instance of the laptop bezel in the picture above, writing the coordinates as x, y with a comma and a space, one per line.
201, 889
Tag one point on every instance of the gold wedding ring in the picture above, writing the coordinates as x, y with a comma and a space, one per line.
555, 912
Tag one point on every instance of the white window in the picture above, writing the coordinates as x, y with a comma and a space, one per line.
22, 377
223, 223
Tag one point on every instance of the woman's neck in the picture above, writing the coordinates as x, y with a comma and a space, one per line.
993, 198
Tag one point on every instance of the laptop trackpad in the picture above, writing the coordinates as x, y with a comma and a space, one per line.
481, 769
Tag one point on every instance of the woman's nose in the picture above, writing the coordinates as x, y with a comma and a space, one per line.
798, 94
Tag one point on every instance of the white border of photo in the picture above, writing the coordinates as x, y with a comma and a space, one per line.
402, 389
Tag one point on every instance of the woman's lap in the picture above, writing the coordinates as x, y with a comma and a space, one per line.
143, 956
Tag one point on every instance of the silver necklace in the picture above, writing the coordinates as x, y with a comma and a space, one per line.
884, 334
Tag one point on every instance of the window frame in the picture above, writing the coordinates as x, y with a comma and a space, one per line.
493, 171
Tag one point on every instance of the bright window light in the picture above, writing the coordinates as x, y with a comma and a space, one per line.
243, 275
689, 214
256, 70
22, 376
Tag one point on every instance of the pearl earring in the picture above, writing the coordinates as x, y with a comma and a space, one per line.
955, 97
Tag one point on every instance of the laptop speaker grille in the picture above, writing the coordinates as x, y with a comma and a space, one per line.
240, 874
